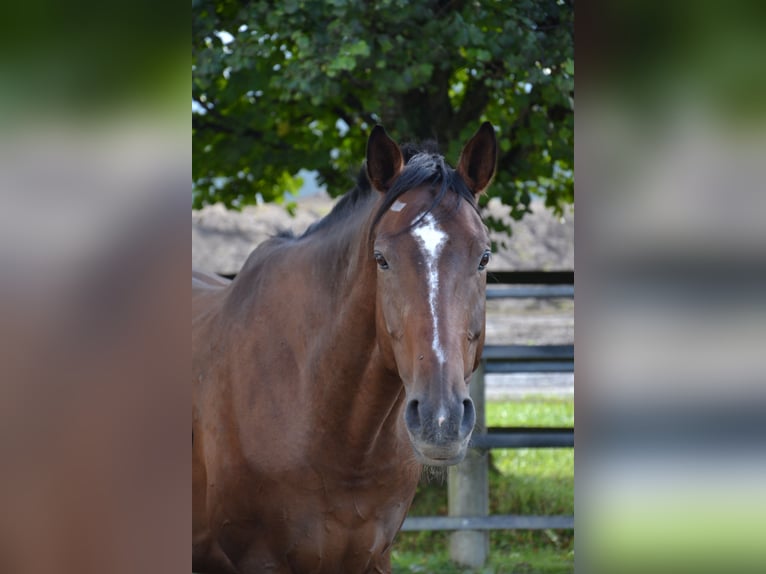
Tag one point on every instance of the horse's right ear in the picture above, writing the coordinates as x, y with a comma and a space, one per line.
478, 159
384, 159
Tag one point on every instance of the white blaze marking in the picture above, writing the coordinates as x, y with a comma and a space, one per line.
431, 240
398, 206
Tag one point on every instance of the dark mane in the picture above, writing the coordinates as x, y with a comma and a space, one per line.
347, 204
423, 165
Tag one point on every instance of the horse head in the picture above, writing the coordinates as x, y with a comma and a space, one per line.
431, 250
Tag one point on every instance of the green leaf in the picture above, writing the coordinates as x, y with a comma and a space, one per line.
359, 48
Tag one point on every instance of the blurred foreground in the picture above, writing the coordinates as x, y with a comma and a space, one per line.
671, 288
94, 193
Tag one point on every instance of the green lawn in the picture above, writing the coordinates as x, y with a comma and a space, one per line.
522, 481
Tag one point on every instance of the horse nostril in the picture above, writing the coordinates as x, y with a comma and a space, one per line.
412, 415
469, 417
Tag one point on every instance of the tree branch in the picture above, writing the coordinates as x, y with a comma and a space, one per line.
510, 159
474, 102
217, 123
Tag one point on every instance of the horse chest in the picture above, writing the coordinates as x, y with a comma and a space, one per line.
335, 527
359, 509
350, 537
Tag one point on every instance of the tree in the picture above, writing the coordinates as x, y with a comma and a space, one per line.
283, 86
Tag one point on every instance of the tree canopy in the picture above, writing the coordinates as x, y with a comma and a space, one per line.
282, 86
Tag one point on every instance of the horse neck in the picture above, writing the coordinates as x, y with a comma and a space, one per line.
359, 398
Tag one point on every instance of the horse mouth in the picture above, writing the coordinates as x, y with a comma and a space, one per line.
443, 461
429, 461
440, 456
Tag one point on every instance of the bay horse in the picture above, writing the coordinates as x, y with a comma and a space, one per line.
336, 364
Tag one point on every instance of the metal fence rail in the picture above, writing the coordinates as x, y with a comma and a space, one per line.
504, 359
496, 522
534, 292
524, 437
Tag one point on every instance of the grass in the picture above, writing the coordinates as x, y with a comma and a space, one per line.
522, 481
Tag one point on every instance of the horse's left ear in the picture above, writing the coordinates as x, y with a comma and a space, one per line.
478, 159
384, 159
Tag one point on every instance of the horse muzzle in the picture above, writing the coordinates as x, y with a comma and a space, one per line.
440, 433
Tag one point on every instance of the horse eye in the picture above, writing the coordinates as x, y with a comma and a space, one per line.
484, 260
382, 263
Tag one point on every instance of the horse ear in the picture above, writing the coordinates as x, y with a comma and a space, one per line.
384, 159
477, 160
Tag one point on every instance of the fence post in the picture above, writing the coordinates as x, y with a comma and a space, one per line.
468, 490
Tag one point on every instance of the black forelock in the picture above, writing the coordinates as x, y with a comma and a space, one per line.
425, 166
